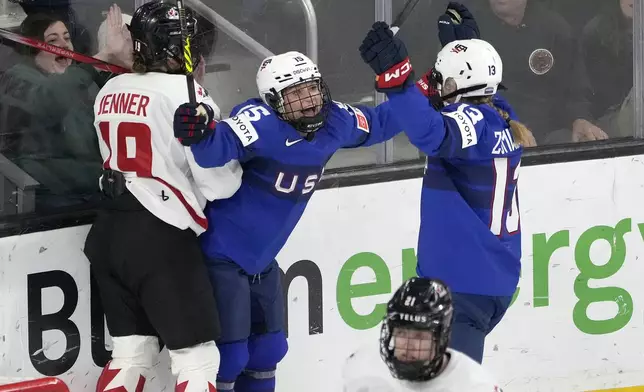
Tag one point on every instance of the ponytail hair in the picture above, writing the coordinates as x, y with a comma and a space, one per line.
521, 134
139, 65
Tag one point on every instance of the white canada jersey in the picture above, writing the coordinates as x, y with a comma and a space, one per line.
133, 118
365, 371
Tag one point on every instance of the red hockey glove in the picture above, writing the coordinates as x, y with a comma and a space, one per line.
428, 85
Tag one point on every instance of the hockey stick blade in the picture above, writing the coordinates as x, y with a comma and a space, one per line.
70, 54
187, 53
403, 15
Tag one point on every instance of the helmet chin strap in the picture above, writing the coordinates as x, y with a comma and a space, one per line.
456, 100
308, 125
458, 93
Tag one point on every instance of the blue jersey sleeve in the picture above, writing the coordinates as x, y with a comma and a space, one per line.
371, 125
449, 134
235, 138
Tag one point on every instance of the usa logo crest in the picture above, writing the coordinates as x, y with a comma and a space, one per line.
265, 63
458, 48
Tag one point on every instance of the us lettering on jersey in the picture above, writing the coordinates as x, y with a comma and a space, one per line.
283, 186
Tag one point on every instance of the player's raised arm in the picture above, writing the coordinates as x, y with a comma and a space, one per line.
370, 125
387, 56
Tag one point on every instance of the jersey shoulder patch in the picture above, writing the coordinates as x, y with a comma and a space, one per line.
361, 121
464, 117
245, 119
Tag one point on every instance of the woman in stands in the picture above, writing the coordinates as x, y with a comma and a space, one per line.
47, 110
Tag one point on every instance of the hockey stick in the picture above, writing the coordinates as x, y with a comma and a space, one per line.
187, 54
403, 15
70, 54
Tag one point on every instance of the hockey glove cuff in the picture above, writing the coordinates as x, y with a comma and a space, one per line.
395, 78
193, 122
428, 85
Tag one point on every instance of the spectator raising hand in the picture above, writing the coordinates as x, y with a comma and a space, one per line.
116, 42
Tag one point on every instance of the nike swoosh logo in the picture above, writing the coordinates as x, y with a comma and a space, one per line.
290, 143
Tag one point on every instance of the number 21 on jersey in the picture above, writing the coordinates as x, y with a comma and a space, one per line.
503, 176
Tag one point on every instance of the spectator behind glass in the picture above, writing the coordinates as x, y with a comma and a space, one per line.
115, 19
47, 28
576, 12
606, 67
50, 100
80, 35
539, 50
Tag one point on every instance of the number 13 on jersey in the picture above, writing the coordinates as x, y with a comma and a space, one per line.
503, 177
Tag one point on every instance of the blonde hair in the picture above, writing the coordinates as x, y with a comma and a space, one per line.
521, 134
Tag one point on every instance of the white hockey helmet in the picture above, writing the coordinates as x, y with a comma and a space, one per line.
475, 66
276, 73
284, 70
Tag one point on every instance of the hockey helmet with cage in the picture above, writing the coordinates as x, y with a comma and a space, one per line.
473, 64
421, 305
291, 70
156, 35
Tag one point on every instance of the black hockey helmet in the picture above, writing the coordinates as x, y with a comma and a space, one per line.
416, 329
156, 34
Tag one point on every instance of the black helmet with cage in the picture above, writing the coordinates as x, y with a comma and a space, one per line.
156, 36
416, 329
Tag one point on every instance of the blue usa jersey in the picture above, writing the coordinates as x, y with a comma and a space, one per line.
470, 234
281, 171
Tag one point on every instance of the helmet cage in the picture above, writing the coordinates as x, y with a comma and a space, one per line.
307, 124
421, 370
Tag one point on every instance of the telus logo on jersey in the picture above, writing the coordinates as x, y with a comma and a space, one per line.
504, 142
